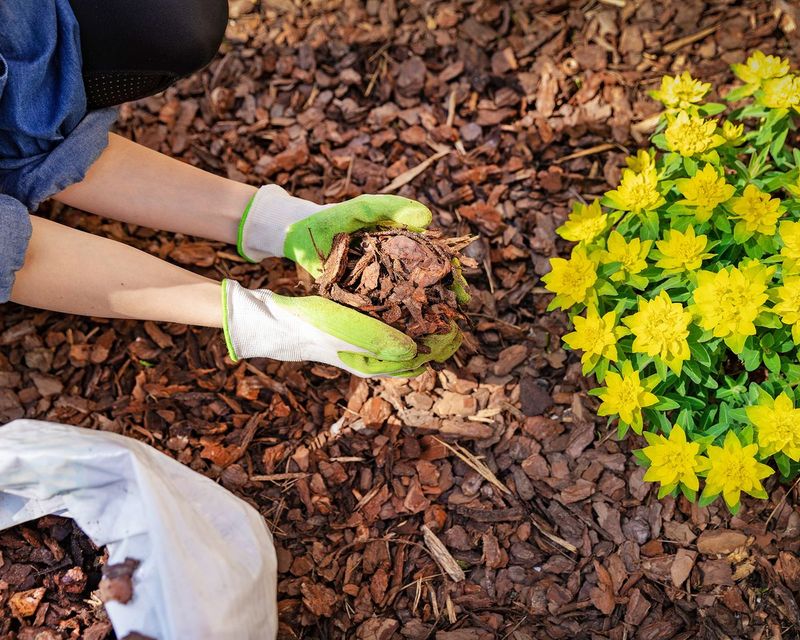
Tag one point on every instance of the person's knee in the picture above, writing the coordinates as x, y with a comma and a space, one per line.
200, 35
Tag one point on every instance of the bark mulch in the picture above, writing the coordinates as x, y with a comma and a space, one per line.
484, 500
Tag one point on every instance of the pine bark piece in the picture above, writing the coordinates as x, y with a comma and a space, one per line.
336, 262
442, 555
117, 581
400, 277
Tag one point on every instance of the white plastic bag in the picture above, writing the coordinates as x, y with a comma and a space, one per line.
208, 568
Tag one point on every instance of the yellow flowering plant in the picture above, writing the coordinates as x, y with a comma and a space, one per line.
684, 287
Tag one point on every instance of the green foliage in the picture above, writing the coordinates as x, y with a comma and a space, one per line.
684, 285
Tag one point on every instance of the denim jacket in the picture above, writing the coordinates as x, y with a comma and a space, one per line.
47, 139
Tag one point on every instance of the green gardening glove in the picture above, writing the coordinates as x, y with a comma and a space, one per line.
438, 348
260, 323
278, 224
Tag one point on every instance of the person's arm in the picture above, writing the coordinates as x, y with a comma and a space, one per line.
75, 272
132, 183
135, 184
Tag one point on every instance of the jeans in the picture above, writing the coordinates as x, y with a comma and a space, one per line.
47, 139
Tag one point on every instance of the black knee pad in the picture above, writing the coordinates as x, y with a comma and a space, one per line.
135, 48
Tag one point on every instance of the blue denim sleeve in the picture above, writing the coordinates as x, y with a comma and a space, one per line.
16, 231
47, 139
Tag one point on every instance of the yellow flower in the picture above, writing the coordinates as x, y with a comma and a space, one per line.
778, 426
643, 160
673, 461
790, 235
571, 280
584, 224
626, 396
682, 251
788, 308
595, 336
760, 67
689, 135
757, 212
631, 255
734, 469
781, 93
637, 191
661, 329
727, 302
704, 191
681, 91
732, 132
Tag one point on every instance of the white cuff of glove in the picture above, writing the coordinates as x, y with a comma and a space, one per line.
256, 326
266, 221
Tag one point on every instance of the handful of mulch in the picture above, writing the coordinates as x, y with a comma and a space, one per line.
407, 279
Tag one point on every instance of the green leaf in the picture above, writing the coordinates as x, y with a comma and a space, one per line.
724, 415
770, 320
660, 141
792, 373
691, 495
741, 234
776, 148
685, 419
706, 499
667, 404
740, 93
601, 369
661, 368
692, 370
700, 354
772, 361
711, 108
650, 225
605, 288
751, 359
783, 463
664, 491
722, 223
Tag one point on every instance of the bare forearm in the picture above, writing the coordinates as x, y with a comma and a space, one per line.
132, 183
75, 272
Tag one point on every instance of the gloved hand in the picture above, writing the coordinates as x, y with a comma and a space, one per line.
260, 323
278, 224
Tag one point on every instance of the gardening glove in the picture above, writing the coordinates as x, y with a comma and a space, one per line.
278, 224
260, 323
438, 348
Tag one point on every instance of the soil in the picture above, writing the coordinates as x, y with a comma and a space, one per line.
485, 500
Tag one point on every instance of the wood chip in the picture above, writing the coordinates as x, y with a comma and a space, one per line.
442, 555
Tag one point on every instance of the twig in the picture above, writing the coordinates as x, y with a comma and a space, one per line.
672, 47
475, 463
451, 108
316, 248
780, 503
598, 148
408, 176
553, 537
278, 477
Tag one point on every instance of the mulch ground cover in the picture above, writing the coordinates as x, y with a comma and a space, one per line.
484, 500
